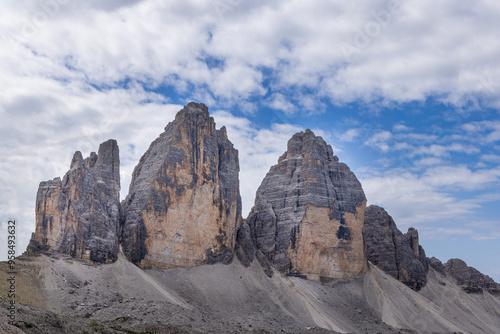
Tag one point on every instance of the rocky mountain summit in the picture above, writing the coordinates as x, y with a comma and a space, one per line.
400, 255
184, 206
312, 257
79, 215
470, 279
308, 215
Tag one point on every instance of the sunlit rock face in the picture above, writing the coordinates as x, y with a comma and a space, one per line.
184, 207
79, 215
308, 215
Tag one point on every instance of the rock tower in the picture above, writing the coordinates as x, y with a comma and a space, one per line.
184, 206
79, 215
400, 255
308, 215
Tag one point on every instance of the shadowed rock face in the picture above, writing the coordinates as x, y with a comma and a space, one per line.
437, 265
398, 254
308, 215
470, 279
184, 206
79, 215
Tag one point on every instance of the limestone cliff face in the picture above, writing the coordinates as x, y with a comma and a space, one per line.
184, 206
400, 255
79, 215
308, 215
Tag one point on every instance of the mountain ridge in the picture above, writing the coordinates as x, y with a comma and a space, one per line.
310, 253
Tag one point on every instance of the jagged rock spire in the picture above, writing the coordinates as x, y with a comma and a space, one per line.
79, 215
400, 255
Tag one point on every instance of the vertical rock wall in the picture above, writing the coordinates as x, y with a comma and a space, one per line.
400, 255
79, 215
184, 206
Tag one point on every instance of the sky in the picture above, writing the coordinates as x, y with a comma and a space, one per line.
405, 91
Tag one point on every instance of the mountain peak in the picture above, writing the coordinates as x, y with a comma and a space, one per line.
193, 109
184, 205
308, 214
303, 144
399, 255
79, 215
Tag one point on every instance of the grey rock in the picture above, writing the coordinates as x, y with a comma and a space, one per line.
264, 263
380, 235
184, 205
79, 215
244, 245
437, 265
307, 179
470, 279
400, 255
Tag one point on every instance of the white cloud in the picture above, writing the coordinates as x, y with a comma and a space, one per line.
412, 201
447, 233
401, 128
494, 136
350, 135
468, 149
485, 131
490, 158
480, 165
379, 140
444, 150
420, 137
424, 162
444, 232
279, 102
160, 42
432, 200
461, 177
404, 147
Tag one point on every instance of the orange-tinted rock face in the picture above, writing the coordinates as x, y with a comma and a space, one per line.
308, 215
79, 215
184, 206
48, 216
316, 250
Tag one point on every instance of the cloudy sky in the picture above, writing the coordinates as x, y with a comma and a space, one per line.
406, 92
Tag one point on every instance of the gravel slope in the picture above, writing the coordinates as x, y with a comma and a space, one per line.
69, 296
